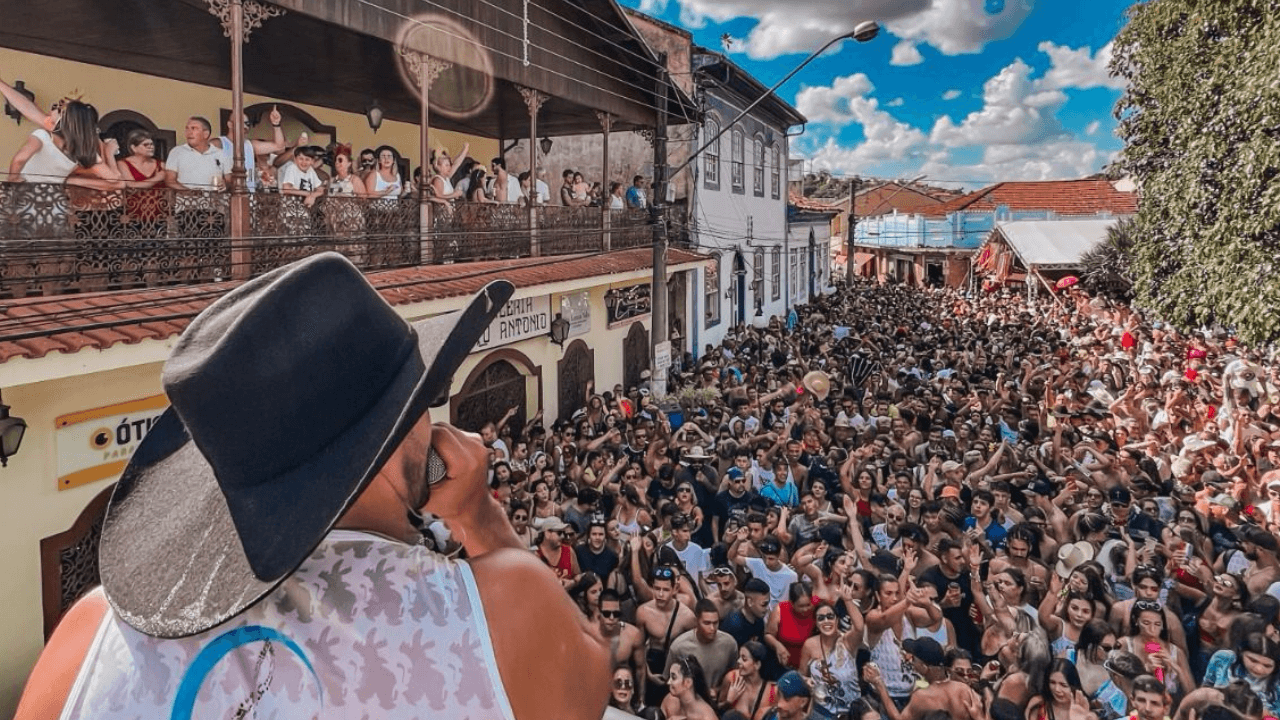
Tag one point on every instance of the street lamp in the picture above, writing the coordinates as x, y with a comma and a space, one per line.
11, 431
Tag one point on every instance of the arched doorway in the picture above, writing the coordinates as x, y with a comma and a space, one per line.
497, 384
119, 123
294, 121
635, 355
573, 372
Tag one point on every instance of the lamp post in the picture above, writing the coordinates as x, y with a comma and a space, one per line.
862, 32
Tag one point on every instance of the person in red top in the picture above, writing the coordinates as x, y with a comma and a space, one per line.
558, 556
790, 624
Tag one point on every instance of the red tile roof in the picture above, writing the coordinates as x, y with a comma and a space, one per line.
1064, 197
35, 327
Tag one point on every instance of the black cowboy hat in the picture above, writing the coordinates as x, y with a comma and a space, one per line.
288, 394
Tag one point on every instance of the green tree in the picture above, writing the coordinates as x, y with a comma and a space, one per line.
1201, 125
1105, 270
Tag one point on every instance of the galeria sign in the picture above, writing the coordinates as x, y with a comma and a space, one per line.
522, 318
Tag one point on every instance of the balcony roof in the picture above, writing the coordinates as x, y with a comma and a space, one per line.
34, 327
341, 54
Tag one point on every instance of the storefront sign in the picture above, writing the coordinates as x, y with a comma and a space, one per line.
522, 318
96, 444
576, 308
628, 303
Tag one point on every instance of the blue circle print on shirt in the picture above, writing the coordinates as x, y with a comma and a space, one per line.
993, 7
204, 662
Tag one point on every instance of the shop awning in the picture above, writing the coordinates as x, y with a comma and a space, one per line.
1053, 244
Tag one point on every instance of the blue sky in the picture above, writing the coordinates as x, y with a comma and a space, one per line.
965, 92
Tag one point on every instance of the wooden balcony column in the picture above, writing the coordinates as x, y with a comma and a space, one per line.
606, 127
239, 19
426, 69
534, 100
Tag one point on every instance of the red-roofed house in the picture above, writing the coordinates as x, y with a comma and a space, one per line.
934, 244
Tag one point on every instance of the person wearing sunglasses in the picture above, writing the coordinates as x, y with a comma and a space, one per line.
624, 695
1098, 643
662, 619
626, 641
828, 660
1149, 639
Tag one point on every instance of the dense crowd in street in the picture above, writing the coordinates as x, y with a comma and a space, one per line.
915, 501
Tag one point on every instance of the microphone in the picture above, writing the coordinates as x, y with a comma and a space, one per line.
436, 472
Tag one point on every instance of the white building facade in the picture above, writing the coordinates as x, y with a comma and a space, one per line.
738, 213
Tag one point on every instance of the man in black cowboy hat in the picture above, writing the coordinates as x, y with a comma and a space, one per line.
261, 556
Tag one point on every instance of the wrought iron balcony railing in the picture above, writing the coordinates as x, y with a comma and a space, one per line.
56, 239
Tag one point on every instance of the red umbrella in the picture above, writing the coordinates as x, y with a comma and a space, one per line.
1067, 282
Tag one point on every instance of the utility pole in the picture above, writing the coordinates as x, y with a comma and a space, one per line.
657, 204
850, 268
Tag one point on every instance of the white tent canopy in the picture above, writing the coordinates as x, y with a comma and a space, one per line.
1053, 244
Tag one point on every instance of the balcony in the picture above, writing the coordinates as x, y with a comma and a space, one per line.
57, 240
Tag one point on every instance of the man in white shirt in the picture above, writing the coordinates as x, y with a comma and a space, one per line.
770, 569
196, 165
690, 553
544, 190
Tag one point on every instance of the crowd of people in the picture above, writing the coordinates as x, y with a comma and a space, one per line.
918, 502
66, 147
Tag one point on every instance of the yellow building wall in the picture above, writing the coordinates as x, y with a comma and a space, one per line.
168, 103
34, 508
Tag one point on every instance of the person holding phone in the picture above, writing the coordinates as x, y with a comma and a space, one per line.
265, 539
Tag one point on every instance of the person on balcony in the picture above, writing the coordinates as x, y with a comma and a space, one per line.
616, 201
70, 153
384, 181
345, 182
343, 212
299, 177
442, 190
476, 185
252, 148
569, 196
637, 198
506, 188
145, 206
197, 165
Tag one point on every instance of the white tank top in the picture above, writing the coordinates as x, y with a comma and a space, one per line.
48, 164
367, 627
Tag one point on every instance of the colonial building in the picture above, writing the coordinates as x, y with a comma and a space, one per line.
934, 245
739, 209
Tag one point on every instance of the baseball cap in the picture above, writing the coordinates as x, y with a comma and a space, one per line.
791, 685
950, 491
926, 650
769, 546
951, 466
1039, 486
1120, 495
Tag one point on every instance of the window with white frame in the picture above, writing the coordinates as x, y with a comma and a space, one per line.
776, 274
739, 172
757, 282
776, 170
711, 291
711, 156
757, 169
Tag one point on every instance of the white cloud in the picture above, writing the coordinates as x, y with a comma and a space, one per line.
1047, 161
951, 94
1079, 68
896, 102
951, 26
831, 104
961, 26
1015, 135
906, 53
652, 7
1014, 112
845, 102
